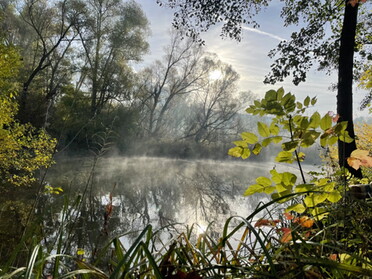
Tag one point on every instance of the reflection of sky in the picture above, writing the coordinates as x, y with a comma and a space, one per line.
249, 57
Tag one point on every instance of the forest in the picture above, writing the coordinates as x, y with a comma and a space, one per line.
101, 157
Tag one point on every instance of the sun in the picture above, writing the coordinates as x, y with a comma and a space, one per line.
201, 229
214, 75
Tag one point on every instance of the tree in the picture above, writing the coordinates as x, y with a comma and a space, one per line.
214, 105
112, 34
43, 32
179, 74
23, 149
298, 54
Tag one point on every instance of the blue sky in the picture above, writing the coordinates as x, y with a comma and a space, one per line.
249, 57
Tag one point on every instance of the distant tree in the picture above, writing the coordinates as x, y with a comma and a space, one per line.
178, 74
366, 83
112, 34
298, 54
214, 105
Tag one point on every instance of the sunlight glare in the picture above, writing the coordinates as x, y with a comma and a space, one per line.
201, 229
214, 75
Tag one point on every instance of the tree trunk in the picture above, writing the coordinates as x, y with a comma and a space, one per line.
345, 84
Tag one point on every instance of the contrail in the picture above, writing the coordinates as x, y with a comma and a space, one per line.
263, 33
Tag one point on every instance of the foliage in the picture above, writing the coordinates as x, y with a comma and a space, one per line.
112, 35
23, 149
366, 83
300, 132
266, 244
310, 45
266, 247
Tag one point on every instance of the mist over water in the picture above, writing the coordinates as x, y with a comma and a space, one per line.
169, 194
164, 190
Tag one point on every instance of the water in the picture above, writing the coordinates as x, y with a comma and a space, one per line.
144, 190
162, 191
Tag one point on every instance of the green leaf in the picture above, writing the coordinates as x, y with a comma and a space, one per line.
280, 93
304, 123
299, 208
319, 213
246, 153
334, 196
326, 122
319, 198
340, 127
257, 149
266, 142
252, 189
288, 102
324, 139
271, 95
274, 129
344, 136
276, 139
309, 201
289, 178
275, 176
241, 143
251, 110
284, 157
307, 101
269, 189
314, 120
307, 141
329, 187
290, 146
313, 101
301, 156
281, 187
235, 151
304, 188
264, 181
249, 137
263, 130
322, 182
332, 140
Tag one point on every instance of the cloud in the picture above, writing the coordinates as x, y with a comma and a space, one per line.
250, 29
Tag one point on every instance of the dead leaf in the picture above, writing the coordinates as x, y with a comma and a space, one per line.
359, 158
354, 163
333, 257
266, 222
287, 235
288, 216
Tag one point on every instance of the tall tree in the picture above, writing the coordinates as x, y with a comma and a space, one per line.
43, 32
214, 105
178, 74
297, 55
112, 34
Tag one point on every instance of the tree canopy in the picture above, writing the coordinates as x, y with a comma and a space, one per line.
331, 35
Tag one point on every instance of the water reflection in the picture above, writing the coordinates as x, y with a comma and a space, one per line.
143, 191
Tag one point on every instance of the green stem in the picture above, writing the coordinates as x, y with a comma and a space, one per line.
296, 153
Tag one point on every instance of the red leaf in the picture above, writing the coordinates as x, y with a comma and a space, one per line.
288, 216
266, 222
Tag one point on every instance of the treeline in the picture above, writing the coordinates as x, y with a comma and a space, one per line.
76, 80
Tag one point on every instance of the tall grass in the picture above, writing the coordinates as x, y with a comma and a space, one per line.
242, 250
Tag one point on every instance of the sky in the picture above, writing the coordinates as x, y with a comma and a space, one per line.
249, 57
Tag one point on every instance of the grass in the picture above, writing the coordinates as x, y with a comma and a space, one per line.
252, 248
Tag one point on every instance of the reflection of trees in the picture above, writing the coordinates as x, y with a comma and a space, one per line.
156, 191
